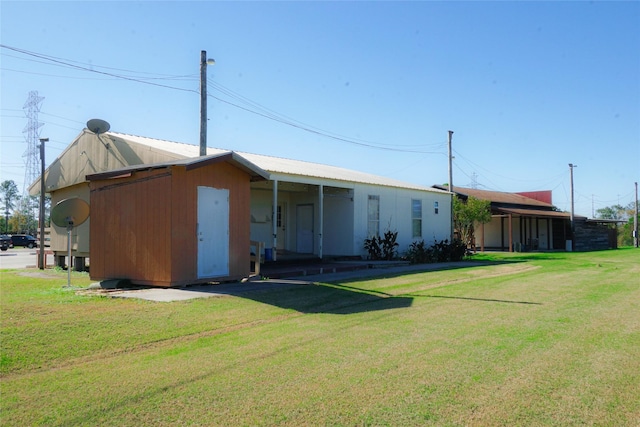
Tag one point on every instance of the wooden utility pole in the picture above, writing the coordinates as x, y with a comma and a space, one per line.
203, 100
451, 185
203, 103
635, 220
41, 254
573, 226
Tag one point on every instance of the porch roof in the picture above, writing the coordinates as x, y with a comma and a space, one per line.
536, 213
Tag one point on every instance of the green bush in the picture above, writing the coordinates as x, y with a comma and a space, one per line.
382, 248
441, 251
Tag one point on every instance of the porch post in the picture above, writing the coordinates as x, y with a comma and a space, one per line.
321, 219
274, 220
482, 237
510, 233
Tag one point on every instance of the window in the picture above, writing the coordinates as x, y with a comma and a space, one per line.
435, 208
373, 216
279, 215
416, 218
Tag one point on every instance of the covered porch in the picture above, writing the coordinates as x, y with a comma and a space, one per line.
522, 230
302, 220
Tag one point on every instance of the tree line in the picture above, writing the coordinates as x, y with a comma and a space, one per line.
20, 213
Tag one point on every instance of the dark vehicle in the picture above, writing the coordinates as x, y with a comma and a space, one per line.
5, 242
24, 240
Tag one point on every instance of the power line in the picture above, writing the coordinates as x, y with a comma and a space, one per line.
84, 68
254, 107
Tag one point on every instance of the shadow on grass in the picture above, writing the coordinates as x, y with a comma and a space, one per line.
391, 273
337, 297
476, 299
320, 298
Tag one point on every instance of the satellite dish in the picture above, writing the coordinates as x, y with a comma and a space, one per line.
70, 212
98, 126
67, 213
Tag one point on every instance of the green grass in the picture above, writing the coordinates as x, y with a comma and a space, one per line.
523, 339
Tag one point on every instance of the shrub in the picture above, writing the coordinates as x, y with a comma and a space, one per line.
441, 251
382, 248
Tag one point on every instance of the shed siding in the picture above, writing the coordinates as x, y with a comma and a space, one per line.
131, 228
185, 184
145, 226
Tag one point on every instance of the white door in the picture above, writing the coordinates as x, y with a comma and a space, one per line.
213, 232
304, 229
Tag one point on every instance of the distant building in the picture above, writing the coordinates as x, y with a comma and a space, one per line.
528, 221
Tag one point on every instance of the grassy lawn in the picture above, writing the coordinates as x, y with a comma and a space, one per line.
525, 339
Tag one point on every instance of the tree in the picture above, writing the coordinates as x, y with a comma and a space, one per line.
612, 212
467, 213
621, 213
25, 218
9, 197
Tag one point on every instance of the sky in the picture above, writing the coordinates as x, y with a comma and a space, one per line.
526, 87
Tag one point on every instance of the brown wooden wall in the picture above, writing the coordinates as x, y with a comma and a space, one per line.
131, 226
185, 194
144, 226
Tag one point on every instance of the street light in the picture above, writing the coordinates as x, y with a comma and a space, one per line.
203, 100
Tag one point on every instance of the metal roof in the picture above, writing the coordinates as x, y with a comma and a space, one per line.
538, 213
277, 165
498, 197
189, 163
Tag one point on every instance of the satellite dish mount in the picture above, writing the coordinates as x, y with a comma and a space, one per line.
99, 126
70, 213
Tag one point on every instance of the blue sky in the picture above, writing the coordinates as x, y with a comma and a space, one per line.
527, 87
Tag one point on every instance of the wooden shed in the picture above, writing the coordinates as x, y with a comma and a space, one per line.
174, 223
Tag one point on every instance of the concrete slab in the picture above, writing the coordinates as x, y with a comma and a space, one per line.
256, 285
193, 292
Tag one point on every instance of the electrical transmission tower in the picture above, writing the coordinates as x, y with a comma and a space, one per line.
474, 181
32, 135
32, 155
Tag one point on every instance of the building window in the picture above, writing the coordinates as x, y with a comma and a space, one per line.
279, 216
435, 208
416, 217
373, 216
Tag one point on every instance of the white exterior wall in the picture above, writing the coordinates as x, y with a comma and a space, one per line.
338, 225
261, 221
345, 217
395, 215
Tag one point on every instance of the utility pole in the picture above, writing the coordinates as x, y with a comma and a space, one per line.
635, 220
451, 184
203, 100
573, 228
41, 254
